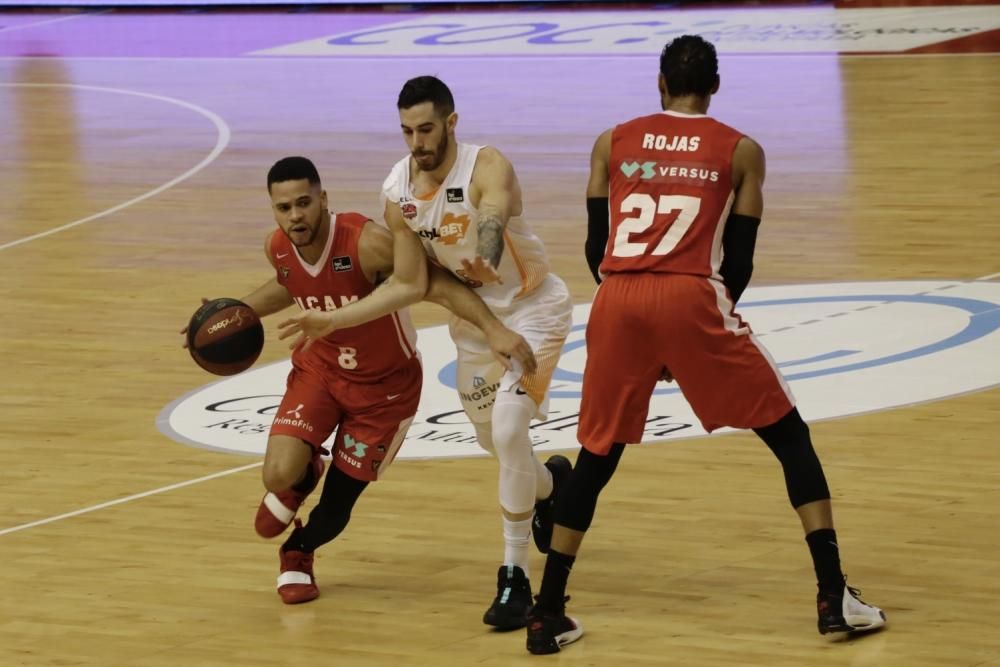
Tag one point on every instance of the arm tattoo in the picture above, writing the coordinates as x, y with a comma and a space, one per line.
490, 245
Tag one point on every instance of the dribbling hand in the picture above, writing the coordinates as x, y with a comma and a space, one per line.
184, 331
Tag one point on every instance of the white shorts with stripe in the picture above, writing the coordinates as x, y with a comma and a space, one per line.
544, 318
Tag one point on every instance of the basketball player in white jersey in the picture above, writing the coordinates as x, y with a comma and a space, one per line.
460, 205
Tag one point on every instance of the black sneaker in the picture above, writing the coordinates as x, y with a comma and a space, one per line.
509, 610
541, 524
847, 612
548, 631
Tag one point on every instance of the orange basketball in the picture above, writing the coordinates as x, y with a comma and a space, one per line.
225, 336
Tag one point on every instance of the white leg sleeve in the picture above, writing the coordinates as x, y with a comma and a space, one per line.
521, 474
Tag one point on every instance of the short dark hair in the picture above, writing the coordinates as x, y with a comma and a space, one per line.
690, 66
292, 169
427, 89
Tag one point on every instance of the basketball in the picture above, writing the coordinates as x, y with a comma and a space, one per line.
225, 336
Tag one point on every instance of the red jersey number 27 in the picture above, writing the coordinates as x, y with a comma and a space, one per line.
648, 208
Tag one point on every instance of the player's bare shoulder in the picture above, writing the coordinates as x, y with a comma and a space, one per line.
749, 148
493, 172
490, 157
492, 165
748, 158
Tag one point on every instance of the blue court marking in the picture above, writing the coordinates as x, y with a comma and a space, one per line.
984, 319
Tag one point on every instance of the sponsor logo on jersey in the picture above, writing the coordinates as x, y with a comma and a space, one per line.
348, 459
294, 419
454, 195
284, 271
325, 302
453, 228
359, 447
352, 458
651, 171
408, 209
341, 263
451, 231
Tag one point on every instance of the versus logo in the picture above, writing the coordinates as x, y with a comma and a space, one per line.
648, 171
359, 447
845, 349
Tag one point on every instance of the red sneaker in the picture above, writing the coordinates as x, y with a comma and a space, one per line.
277, 510
296, 583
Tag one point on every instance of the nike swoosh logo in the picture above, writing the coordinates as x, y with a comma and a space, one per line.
520, 392
282, 256
393, 396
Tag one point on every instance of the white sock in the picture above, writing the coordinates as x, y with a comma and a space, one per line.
516, 536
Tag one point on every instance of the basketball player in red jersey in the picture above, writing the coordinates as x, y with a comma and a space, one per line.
364, 382
684, 196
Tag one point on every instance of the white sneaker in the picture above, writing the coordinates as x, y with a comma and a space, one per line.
847, 612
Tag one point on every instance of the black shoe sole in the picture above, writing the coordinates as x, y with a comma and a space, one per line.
505, 624
542, 647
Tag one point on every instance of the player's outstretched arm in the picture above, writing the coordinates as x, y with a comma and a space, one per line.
267, 299
446, 290
407, 286
270, 297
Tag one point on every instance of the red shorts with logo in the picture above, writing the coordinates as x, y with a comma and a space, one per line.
643, 322
371, 420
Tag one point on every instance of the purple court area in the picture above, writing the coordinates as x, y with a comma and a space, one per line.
532, 32
152, 33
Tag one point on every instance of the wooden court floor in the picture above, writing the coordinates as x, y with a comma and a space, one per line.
879, 168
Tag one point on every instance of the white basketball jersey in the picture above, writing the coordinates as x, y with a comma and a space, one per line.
448, 223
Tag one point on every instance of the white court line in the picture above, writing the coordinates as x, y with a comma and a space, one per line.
144, 494
51, 21
990, 277
220, 145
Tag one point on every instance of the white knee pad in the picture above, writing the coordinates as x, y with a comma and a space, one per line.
512, 416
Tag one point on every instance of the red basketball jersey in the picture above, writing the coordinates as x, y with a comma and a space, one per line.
364, 353
670, 193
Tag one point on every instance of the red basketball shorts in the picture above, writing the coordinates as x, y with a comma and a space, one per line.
641, 323
371, 420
